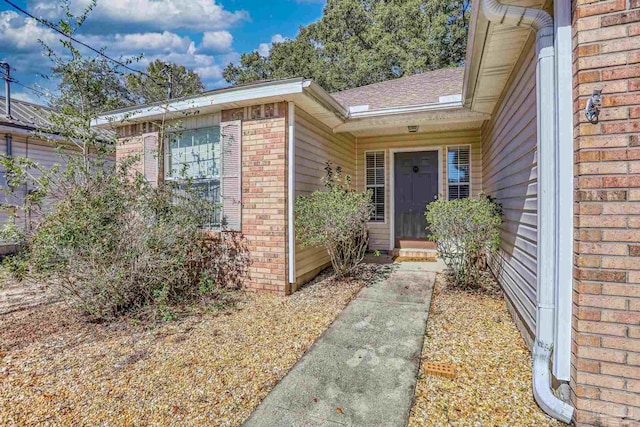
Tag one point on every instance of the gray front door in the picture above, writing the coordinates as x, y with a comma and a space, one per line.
416, 184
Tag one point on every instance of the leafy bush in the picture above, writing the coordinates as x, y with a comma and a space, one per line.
335, 219
112, 244
465, 231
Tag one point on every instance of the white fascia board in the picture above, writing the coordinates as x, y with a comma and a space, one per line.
33, 133
423, 117
409, 109
217, 98
325, 99
470, 77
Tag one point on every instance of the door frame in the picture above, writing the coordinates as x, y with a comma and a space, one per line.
392, 183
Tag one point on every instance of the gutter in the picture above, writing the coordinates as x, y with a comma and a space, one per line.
391, 111
8, 139
320, 95
291, 192
542, 23
175, 107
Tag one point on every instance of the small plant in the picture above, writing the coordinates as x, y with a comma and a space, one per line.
335, 219
465, 231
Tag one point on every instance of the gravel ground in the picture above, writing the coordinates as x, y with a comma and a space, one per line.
205, 369
474, 331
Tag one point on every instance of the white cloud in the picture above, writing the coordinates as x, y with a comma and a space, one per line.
216, 41
195, 15
18, 34
19, 44
27, 97
213, 72
265, 48
140, 42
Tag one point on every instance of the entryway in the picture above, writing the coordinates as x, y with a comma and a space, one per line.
416, 182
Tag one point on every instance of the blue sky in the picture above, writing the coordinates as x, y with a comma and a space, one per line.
201, 34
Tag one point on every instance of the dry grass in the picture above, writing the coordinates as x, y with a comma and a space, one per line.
474, 331
207, 369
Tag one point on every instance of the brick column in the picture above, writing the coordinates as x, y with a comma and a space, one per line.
606, 303
264, 197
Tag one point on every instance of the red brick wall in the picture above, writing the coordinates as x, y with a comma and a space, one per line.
606, 316
264, 200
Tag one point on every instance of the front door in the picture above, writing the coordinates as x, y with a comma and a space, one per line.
416, 184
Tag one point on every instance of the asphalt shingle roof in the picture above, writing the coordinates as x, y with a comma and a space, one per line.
417, 89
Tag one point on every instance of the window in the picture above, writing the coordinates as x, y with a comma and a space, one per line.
458, 172
193, 157
375, 182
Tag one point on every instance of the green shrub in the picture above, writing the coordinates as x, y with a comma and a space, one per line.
335, 219
465, 231
111, 244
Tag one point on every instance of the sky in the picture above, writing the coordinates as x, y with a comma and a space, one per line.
204, 35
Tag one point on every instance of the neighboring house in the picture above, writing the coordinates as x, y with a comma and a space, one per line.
511, 125
22, 135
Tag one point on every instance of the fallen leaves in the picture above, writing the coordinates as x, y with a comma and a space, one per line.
475, 332
206, 369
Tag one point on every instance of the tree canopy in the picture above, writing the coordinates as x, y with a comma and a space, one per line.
145, 90
359, 42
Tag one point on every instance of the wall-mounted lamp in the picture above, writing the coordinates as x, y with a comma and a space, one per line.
413, 129
591, 111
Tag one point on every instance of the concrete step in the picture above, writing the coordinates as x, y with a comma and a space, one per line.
426, 254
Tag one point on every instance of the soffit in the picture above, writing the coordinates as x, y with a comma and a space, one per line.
492, 53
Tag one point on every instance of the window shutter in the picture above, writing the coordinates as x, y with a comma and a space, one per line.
150, 157
230, 148
375, 176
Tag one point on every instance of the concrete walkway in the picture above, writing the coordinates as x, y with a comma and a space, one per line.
362, 370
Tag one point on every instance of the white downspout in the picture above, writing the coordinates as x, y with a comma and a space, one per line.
542, 23
291, 120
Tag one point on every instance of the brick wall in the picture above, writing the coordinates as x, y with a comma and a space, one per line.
606, 315
264, 197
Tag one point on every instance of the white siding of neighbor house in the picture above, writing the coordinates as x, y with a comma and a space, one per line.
42, 152
315, 145
380, 232
510, 175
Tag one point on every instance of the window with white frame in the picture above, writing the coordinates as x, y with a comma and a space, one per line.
374, 166
193, 159
458, 172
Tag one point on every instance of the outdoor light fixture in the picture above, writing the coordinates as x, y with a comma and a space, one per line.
413, 129
591, 111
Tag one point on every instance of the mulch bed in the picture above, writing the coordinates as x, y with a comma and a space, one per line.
474, 331
210, 368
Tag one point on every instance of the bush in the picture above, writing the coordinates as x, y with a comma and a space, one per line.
465, 231
335, 219
112, 245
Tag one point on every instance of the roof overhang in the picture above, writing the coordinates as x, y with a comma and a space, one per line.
424, 116
303, 92
309, 96
493, 51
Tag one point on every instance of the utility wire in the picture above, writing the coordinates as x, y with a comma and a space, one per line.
12, 80
6, 77
99, 52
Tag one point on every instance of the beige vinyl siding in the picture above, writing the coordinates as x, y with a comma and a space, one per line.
380, 231
510, 175
195, 121
315, 144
